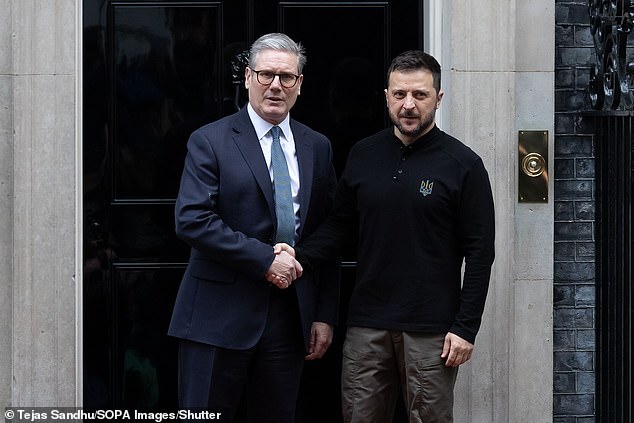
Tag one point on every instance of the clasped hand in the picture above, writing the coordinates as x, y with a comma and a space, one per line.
285, 269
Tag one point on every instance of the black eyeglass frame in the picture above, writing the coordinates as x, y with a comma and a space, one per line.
279, 75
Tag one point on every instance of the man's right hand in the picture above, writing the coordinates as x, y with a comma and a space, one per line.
284, 270
282, 247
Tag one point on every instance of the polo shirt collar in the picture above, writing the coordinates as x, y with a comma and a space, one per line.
420, 141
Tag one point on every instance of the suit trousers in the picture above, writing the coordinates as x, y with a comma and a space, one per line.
267, 376
378, 363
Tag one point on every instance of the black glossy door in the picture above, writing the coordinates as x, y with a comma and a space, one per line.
153, 72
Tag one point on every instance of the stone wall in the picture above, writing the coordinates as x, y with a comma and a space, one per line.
38, 146
498, 61
6, 199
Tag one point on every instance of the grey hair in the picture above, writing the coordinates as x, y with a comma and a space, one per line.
278, 41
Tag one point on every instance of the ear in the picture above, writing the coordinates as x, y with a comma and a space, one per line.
439, 99
247, 77
299, 83
387, 97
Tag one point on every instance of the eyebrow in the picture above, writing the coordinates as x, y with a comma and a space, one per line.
415, 90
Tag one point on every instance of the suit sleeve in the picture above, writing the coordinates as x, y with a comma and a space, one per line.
198, 222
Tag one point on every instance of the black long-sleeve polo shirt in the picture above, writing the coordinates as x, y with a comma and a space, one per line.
422, 209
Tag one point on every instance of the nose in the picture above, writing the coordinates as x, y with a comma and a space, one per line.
276, 82
408, 102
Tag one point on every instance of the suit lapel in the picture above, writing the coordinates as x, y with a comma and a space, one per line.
305, 161
247, 141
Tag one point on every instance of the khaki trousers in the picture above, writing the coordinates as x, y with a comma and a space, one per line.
376, 363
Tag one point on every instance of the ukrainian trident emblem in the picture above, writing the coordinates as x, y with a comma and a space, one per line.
426, 186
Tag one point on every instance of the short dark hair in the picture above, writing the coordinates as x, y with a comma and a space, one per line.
412, 60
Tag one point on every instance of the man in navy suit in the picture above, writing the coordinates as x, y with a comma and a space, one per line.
241, 335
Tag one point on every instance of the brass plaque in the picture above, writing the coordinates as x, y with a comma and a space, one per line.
533, 166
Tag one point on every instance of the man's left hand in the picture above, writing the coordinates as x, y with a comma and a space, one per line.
456, 351
320, 340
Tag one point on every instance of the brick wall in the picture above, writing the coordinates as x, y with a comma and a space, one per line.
574, 287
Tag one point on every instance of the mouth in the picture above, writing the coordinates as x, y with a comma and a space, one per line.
275, 99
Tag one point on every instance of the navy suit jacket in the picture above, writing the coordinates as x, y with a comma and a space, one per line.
225, 211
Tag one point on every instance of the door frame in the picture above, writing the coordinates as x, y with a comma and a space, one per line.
79, 206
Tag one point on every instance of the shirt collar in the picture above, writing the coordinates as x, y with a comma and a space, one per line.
262, 127
423, 140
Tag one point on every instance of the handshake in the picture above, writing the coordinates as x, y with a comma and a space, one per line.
284, 269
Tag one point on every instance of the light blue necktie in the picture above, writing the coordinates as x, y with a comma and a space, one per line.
283, 197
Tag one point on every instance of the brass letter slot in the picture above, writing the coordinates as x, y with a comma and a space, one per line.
533, 166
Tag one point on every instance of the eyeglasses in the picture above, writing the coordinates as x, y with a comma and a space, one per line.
288, 80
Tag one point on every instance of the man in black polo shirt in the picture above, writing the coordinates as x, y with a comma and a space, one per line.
424, 205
